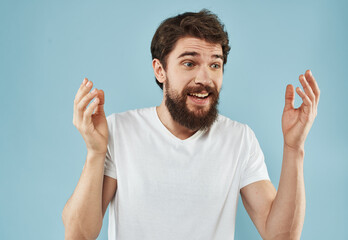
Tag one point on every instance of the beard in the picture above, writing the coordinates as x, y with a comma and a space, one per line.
199, 118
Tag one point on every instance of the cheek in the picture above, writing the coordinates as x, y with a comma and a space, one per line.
179, 80
218, 83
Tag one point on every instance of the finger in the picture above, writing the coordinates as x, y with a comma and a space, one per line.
85, 80
314, 85
87, 115
307, 88
84, 89
289, 97
81, 106
307, 104
101, 97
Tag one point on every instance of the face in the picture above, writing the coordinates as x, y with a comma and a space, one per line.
193, 80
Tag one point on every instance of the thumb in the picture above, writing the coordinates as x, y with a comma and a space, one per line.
289, 97
100, 108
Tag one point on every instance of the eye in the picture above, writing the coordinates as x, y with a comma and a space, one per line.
216, 65
188, 64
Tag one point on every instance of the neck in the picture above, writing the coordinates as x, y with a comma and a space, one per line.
175, 128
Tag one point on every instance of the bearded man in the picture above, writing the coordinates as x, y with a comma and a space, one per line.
175, 171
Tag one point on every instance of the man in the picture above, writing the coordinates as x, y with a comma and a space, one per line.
175, 171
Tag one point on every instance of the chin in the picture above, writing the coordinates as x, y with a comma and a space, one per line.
199, 111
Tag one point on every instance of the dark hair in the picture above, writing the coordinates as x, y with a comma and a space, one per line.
203, 25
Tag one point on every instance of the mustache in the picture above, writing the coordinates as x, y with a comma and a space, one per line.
200, 88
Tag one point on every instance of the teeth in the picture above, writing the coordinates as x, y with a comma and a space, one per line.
201, 95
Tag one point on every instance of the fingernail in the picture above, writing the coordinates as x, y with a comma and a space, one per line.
94, 90
310, 72
88, 84
84, 81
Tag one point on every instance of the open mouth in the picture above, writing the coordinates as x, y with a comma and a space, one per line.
199, 95
200, 99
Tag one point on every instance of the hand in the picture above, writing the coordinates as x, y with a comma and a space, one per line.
93, 127
296, 123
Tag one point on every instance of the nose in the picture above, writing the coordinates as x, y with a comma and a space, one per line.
203, 76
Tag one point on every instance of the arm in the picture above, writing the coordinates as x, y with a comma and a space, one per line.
83, 213
280, 215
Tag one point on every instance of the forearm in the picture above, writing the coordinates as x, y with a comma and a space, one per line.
82, 214
286, 217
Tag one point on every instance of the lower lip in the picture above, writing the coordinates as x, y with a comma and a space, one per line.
199, 101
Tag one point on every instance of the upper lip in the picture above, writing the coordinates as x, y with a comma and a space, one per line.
203, 92
199, 93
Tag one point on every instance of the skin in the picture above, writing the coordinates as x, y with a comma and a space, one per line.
84, 211
203, 67
276, 214
280, 214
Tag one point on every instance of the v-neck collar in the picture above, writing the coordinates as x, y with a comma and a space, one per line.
166, 131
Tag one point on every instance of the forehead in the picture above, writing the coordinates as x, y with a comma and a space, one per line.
191, 44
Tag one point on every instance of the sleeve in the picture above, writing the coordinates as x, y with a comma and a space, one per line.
109, 164
254, 168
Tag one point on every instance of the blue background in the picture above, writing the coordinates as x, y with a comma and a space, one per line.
48, 47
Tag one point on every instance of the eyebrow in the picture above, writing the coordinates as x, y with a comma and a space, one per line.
194, 54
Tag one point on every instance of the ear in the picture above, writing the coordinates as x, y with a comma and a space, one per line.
158, 70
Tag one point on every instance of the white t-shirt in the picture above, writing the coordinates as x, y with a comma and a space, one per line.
169, 188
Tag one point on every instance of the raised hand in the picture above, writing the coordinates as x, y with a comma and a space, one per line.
92, 126
296, 123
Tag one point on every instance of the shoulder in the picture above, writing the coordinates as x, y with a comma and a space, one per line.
224, 123
227, 127
130, 116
